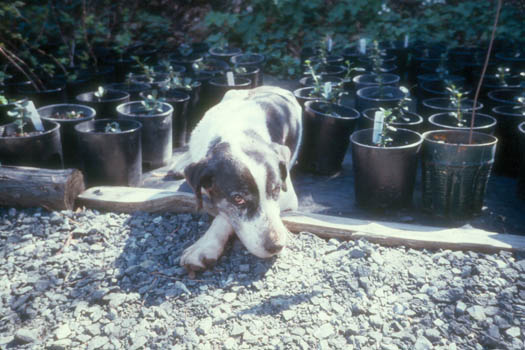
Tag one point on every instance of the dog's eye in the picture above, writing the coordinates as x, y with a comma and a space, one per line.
238, 199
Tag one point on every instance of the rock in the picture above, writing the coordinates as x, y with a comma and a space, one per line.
138, 342
288, 315
357, 253
433, 335
513, 332
115, 299
461, 307
204, 326
62, 332
237, 330
324, 331
477, 313
97, 342
422, 343
25, 336
229, 297
62, 344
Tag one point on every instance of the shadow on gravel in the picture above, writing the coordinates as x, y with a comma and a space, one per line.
279, 303
149, 262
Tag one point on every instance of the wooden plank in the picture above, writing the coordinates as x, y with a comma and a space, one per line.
128, 199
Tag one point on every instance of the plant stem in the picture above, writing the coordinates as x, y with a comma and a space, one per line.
487, 57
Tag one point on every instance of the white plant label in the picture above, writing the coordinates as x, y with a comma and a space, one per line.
379, 119
362, 46
329, 44
34, 116
407, 38
230, 78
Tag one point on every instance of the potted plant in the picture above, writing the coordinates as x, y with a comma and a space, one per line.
155, 115
211, 66
22, 144
67, 116
320, 88
186, 56
379, 96
248, 60
133, 89
110, 151
385, 162
224, 52
456, 120
148, 75
104, 101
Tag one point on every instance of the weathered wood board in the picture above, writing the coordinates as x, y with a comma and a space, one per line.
126, 199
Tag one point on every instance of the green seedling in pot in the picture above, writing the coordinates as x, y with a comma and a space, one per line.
148, 71
179, 82
456, 95
240, 70
390, 116
20, 112
502, 75
152, 104
112, 128
329, 91
100, 93
349, 70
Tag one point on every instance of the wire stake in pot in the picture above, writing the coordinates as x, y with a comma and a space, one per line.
379, 119
34, 116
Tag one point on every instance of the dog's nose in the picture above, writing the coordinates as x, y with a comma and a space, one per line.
273, 247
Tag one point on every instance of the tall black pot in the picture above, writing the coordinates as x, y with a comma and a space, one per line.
156, 132
105, 106
508, 135
110, 158
445, 121
42, 150
326, 130
384, 177
67, 128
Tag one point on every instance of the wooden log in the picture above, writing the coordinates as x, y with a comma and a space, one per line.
126, 199
37, 187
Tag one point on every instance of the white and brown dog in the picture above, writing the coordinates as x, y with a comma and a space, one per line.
240, 155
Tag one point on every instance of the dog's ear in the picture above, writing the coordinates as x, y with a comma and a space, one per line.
199, 175
284, 156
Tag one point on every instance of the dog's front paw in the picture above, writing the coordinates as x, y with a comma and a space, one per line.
200, 256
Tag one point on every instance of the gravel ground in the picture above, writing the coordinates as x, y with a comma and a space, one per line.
117, 285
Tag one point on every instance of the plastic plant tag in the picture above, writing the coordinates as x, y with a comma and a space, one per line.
230, 78
407, 38
362, 46
329, 44
34, 116
379, 119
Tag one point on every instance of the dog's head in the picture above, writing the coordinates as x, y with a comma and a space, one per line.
245, 186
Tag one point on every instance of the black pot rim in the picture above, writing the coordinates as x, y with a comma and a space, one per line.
502, 110
324, 78
50, 88
92, 112
493, 139
159, 78
232, 51
308, 107
216, 81
185, 95
395, 78
124, 95
56, 126
500, 100
138, 126
426, 104
521, 127
260, 59
419, 120
493, 122
120, 108
138, 86
365, 90
362, 131
298, 93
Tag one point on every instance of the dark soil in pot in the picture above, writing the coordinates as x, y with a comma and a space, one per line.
61, 114
385, 176
508, 135
409, 121
154, 82
53, 93
366, 80
106, 105
455, 173
156, 133
378, 96
482, 122
326, 131
38, 149
110, 158
436, 105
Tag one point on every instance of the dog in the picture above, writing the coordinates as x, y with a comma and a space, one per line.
240, 155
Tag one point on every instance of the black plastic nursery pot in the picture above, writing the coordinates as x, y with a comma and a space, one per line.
326, 131
156, 82
105, 106
190, 109
501, 97
43, 150
366, 80
248, 60
378, 96
437, 88
304, 95
508, 153
254, 74
521, 177
218, 86
482, 122
53, 93
186, 61
224, 53
67, 128
414, 121
156, 133
456, 173
384, 177
133, 89
436, 105
110, 158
